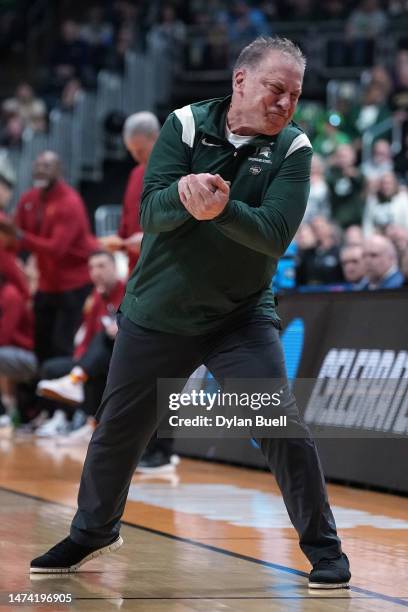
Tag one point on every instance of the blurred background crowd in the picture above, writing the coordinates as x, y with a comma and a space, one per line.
72, 74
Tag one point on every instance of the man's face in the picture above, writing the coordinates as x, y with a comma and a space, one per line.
352, 262
102, 271
45, 170
268, 94
140, 146
377, 260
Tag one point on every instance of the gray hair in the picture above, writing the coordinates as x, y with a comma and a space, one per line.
253, 53
145, 123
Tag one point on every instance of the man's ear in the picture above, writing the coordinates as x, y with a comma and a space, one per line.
239, 79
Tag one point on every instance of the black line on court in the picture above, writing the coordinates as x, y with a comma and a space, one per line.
276, 566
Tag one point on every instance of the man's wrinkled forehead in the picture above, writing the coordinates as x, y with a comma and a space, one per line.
278, 66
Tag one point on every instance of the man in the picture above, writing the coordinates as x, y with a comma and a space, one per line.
53, 224
224, 193
320, 265
17, 360
346, 187
10, 267
353, 266
80, 380
140, 133
381, 264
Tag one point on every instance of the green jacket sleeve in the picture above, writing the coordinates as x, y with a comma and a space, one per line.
161, 209
270, 228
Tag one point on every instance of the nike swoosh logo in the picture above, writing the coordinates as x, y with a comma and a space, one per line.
209, 144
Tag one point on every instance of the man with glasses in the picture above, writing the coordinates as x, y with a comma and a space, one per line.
353, 266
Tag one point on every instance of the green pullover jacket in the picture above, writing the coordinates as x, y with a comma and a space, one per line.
194, 276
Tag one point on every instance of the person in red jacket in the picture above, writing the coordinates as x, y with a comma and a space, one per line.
53, 224
140, 133
17, 359
10, 269
80, 379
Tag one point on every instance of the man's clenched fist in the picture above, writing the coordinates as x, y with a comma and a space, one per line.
203, 195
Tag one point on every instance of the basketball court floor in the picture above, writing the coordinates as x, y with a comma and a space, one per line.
208, 538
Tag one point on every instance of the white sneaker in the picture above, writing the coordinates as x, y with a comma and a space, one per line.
58, 424
79, 436
63, 389
6, 426
5, 420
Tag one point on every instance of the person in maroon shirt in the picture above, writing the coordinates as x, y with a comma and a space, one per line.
17, 359
51, 222
12, 271
79, 380
140, 133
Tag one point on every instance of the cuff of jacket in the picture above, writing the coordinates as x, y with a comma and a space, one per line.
228, 214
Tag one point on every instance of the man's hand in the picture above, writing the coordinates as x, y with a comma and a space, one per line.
133, 243
112, 243
111, 330
203, 195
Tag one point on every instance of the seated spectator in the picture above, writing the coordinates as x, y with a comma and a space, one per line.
370, 111
70, 95
388, 206
70, 55
365, 23
305, 237
244, 23
81, 379
31, 109
318, 202
401, 162
7, 181
399, 237
380, 75
98, 35
320, 265
11, 269
330, 135
11, 124
353, 236
116, 57
310, 116
353, 266
17, 359
380, 163
168, 35
346, 187
381, 263
399, 95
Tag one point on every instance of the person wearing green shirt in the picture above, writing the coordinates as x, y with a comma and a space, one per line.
225, 190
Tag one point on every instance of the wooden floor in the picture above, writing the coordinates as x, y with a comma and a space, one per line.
209, 538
